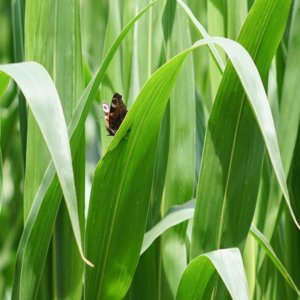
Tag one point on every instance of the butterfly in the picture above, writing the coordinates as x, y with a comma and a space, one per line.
114, 114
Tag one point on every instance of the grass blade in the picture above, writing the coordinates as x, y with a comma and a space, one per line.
175, 216
184, 212
233, 169
34, 80
47, 198
130, 154
198, 279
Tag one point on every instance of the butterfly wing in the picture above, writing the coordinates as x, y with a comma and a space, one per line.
114, 114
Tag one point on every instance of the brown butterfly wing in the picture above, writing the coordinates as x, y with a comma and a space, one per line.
116, 115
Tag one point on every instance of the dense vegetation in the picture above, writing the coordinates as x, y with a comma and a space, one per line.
196, 196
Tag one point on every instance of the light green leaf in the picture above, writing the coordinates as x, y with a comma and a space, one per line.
45, 206
123, 210
198, 280
184, 212
44, 102
42, 97
233, 150
288, 122
175, 216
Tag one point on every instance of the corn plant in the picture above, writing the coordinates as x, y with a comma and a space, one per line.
149, 149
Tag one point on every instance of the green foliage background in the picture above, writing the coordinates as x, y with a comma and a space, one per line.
196, 196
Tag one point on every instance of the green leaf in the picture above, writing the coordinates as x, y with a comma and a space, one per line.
175, 216
184, 212
41, 218
233, 150
198, 279
34, 81
111, 216
122, 211
290, 109
288, 121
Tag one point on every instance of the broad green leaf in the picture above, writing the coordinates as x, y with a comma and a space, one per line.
233, 150
34, 81
47, 200
199, 277
288, 125
132, 152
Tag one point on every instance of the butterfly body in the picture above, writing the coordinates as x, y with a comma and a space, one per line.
114, 114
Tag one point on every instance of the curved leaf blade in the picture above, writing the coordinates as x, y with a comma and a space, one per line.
122, 212
175, 216
233, 150
41, 95
198, 279
47, 198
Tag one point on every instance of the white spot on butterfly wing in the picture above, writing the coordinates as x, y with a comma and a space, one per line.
105, 108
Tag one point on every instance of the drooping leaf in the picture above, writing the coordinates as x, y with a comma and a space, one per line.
42, 97
45, 206
184, 212
233, 150
174, 217
129, 154
198, 280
